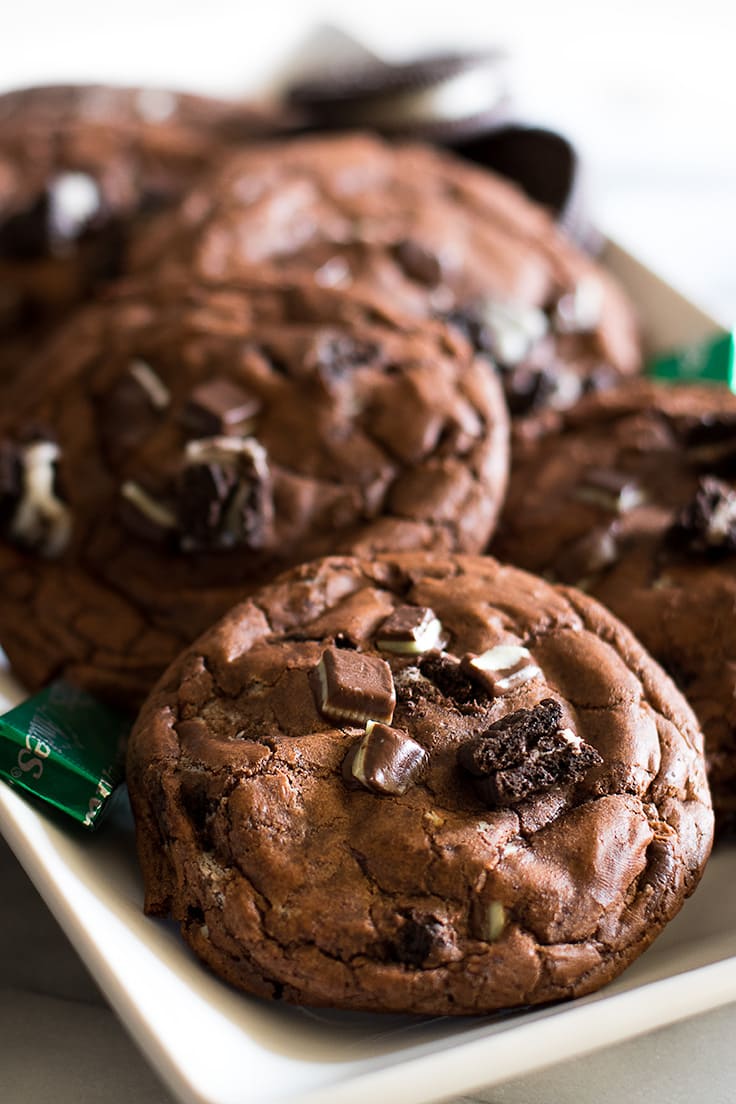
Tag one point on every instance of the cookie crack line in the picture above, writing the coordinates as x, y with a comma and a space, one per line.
645, 696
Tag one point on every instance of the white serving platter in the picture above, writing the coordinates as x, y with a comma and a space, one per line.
213, 1045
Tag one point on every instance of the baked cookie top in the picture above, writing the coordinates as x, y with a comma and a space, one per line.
635, 500
435, 235
420, 784
77, 164
174, 446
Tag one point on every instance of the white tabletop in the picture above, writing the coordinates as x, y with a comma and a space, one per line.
646, 88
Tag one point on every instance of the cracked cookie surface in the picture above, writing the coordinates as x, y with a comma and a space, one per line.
359, 865
79, 164
436, 236
635, 500
175, 446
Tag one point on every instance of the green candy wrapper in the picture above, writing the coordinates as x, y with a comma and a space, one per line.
711, 361
66, 748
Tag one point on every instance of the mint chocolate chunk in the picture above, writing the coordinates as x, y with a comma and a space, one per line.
224, 495
220, 407
352, 686
409, 630
386, 760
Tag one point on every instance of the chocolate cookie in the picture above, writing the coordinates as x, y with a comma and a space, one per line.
78, 165
174, 446
437, 237
636, 501
418, 784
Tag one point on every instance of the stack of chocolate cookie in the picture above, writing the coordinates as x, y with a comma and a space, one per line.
398, 776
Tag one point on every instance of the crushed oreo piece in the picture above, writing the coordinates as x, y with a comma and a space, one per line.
446, 673
220, 407
468, 319
41, 522
386, 760
418, 262
409, 630
524, 754
527, 388
524, 352
502, 669
413, 690
710, 445
351, 686
224, 495
707, 525
610, 490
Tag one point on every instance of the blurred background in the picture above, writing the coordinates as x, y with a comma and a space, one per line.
644, 87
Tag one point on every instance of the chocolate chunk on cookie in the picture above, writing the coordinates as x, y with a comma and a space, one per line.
349, 686
385, 760
167, 490
219, 407
635, 499
447, 858
433, 235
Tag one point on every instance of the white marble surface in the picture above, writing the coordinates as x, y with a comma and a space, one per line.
647, 89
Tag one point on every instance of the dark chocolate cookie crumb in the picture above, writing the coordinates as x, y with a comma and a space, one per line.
524, 754
448, 676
